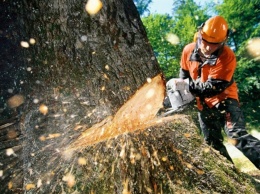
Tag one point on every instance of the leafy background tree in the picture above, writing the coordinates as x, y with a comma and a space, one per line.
243, 19
181, 27
158, 27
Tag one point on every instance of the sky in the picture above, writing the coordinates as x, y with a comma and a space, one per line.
165, 6
161, 6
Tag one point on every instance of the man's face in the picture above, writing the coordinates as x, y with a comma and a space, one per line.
208, 48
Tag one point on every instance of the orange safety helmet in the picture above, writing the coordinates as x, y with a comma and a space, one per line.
214, 30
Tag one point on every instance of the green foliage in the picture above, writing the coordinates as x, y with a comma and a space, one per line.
247, 71
243, 19
248, 83
251, 108
187, 17
247, 77
158, 27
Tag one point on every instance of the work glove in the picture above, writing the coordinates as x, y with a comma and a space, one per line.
196, 87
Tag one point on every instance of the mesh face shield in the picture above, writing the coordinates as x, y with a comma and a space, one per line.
213, 55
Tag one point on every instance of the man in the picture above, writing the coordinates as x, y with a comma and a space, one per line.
210, 65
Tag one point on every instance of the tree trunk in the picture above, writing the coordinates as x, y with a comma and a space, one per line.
69, 78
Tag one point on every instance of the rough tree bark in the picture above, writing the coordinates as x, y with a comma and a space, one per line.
93, 73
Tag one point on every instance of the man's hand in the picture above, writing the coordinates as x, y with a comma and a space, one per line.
195, 87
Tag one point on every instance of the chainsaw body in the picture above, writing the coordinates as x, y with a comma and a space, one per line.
178, 95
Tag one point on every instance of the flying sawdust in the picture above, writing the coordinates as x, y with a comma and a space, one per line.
137, 113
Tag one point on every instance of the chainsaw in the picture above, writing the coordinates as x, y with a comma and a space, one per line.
177, 97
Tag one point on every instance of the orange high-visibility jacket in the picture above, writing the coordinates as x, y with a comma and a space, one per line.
223, 70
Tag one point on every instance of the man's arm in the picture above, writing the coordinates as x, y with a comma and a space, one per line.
209, 88
184, 74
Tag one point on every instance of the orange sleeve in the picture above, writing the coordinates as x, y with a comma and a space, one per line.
185, 56
183, 60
